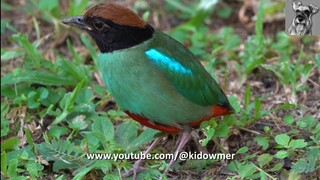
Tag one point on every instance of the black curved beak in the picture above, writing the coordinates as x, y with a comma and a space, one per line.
78, 22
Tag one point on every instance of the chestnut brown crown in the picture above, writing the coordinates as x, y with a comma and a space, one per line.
116, 13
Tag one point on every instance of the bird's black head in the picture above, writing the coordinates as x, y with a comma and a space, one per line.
112, 26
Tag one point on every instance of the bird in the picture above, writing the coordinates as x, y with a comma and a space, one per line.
154, 78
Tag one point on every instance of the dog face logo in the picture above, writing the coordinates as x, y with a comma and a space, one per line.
302, 23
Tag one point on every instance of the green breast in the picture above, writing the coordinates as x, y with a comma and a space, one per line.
140, 87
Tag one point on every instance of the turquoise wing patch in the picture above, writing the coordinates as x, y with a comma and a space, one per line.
166, 62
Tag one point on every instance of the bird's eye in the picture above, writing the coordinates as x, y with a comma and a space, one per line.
99, 25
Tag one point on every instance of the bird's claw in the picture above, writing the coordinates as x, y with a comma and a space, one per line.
135, 169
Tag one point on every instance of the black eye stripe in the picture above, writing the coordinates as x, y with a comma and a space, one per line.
98, 24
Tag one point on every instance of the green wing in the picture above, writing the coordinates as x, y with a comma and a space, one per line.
185, 71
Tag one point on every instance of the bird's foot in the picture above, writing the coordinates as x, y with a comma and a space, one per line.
137, 165
184, 138
135, 169
166, 171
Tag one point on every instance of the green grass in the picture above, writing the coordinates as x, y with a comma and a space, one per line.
54, 110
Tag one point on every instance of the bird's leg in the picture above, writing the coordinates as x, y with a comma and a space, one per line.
185, 136
137, 165
195, 138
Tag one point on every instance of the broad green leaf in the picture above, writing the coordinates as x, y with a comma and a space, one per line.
234, 165
10, 144
247, 170
229, 120
316, 130
33, 102
282, 139
34, 169
262, 141
300, 166
309, 164
264, 159
146, 136
276, 167
306, 122
57, 131
126, 132
43, 93
282, 154
288, 119
242, 150
299, 143
13, 167
222, 130
85, 95
104, 128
